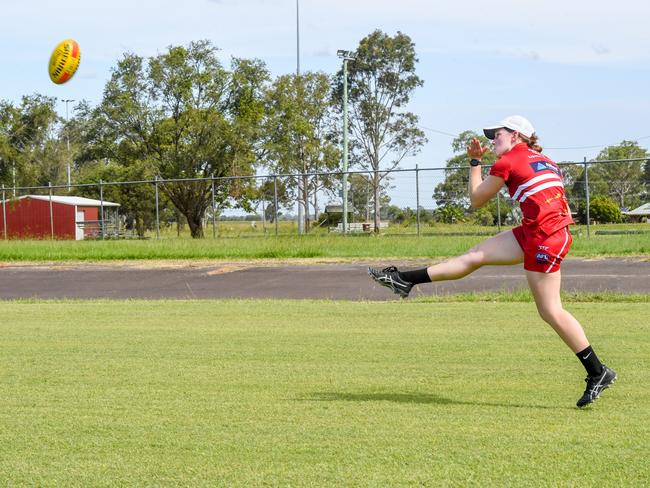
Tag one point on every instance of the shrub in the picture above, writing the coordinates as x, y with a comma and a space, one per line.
601, 209
450, 214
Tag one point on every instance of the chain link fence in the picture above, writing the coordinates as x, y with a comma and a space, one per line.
411, 201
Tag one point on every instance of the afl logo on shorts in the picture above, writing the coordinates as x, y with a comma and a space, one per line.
542, 257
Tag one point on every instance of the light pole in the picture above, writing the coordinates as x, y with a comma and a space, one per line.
301, 219
298, 37
346, 56
67, 137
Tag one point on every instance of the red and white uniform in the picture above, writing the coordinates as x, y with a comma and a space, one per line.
536, 183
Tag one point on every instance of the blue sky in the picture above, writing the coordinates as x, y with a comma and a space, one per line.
579, 70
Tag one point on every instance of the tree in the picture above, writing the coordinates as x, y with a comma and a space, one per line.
489, 214
360, 196
574, 184
401, 216
185, 116
267, 191
452, 194
300, 135
137, 201
624, 179
32, 152
453, 190
10, 146
381, 82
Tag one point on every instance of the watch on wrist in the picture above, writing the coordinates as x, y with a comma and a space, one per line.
475, 162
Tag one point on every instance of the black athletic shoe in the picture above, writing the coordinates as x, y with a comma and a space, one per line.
596, 385
389, 277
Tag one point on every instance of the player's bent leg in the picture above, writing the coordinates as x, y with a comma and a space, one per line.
545, 288
501, 249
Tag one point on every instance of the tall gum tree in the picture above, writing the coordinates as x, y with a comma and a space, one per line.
381, 81
300, 136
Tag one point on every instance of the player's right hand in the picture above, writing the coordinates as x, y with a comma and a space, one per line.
475, 150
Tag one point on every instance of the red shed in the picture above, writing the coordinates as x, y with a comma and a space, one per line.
29, 217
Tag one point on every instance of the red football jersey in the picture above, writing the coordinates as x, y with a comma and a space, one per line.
536, 183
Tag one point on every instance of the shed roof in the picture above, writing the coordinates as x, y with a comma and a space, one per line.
78, 201
642, 210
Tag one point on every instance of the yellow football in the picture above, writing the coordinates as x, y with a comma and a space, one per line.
64, 61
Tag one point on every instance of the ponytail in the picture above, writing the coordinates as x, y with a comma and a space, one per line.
532, 142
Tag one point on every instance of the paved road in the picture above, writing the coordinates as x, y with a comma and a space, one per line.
327, 281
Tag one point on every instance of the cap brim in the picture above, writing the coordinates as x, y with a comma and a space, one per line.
490, 131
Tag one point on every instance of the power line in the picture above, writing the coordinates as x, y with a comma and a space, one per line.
438, 131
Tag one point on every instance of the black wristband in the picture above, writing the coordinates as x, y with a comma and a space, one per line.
475, 162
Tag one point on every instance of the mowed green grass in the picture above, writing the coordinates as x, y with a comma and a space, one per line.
308, 393
329, 246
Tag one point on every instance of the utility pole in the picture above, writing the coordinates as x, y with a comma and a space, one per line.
298, 37
67, 137
346, 56
301, 218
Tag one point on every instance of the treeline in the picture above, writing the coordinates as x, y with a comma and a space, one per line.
184, 114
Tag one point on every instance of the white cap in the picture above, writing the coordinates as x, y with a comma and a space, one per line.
513, 122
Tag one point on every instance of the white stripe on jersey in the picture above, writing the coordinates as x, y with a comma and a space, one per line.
540, 188
532, 181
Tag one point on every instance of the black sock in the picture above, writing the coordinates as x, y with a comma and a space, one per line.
590, 361
415, 276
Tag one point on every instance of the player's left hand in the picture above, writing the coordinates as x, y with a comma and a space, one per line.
475, 150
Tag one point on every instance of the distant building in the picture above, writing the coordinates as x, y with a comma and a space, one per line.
32, 217
640, 214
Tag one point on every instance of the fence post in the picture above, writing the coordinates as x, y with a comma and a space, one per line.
214, 211
4, 213
264, 215
116, 214
587, 193
344, 198
498, 212
368, 198
275, 202
101, 208
157, 211
51, 213
417, 198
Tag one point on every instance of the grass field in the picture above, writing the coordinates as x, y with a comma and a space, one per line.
316, 245
306, 393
